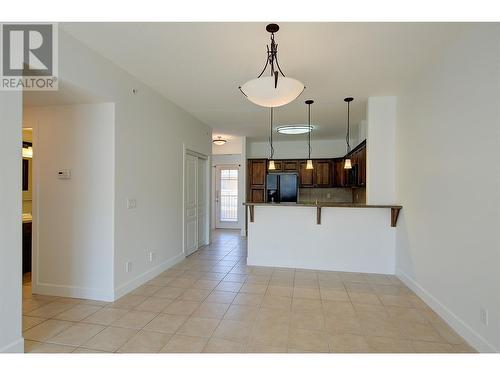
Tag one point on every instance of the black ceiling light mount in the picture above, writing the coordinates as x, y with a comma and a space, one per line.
276, 89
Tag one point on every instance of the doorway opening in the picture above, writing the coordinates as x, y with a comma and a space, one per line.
226, 197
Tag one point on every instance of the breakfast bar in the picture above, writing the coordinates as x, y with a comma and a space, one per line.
332, 236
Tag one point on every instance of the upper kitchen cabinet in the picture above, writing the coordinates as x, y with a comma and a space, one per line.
256, 180
339, 173
306, 176
356, 176
322, 173
319, 176
290, 166
278, 167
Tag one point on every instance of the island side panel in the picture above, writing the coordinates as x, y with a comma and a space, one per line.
348, 239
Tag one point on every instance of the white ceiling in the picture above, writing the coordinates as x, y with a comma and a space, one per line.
199, 66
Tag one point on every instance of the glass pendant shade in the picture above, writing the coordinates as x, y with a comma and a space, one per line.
347, 164
271, 166
261, 91
27, 152
309, 164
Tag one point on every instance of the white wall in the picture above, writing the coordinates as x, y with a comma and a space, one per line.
10, 222
150, 133
381, 150
335, 245
448, 244
73, 219
326, 148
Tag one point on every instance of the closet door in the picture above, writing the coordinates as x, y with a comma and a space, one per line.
191, 204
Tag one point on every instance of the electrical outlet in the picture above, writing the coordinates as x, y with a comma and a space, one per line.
131, 203
128, 266
483, 313
151, 256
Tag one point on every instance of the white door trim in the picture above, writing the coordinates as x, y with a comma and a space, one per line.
218, 223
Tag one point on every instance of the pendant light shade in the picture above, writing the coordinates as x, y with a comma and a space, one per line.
275, 89
271, 166
261, 91
309, 164
347, 162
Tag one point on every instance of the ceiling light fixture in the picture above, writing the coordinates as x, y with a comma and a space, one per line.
271, 165
219, 141
274, 90
309, 164
347, 161
294, 129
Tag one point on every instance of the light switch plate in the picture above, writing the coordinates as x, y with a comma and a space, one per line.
131, 203
64, 174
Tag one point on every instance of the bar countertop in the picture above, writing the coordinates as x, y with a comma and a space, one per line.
326, 204
394, 208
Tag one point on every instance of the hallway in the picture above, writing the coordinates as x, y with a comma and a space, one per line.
213, 302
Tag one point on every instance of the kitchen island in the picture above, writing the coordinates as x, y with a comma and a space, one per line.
332, 236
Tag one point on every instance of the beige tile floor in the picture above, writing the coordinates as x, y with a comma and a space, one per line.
213, 302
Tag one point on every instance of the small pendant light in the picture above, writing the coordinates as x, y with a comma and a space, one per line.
309, 164
271, 165
347, 161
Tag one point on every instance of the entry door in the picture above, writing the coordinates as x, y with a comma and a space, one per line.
191, 204
202, 203
226, 199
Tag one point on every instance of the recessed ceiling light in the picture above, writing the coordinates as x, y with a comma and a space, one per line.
219, 141
294, 129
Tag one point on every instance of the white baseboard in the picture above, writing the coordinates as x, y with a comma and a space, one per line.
146, 276
72, 291
14, 347
463, 329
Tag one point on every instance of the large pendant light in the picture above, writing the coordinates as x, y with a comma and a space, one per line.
271, 165
309, 164
347, 161
274, 90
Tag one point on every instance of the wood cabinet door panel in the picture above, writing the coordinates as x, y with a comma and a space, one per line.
306, 176
322, 173
257, 195
257, 172
290, 166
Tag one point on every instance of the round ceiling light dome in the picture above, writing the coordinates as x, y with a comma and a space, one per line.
264, 91
219, 141
294, 129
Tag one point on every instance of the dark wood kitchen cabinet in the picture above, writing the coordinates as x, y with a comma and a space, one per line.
322, 173
256, 180
290, 166
306, 176
319, 176
278, 167
339, 173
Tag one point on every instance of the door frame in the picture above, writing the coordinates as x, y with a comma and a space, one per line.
229, 225
188, 151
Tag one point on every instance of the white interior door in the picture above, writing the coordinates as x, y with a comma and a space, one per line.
191, 204
202, 203
226, 197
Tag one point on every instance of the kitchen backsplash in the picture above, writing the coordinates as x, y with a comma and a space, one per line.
324, 195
